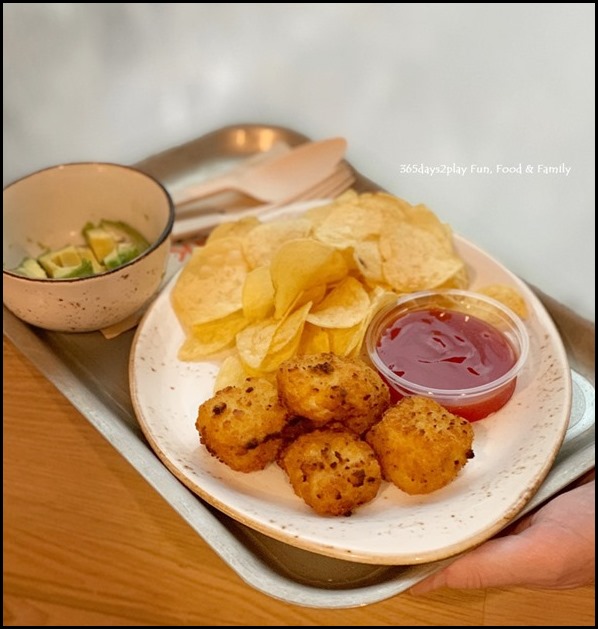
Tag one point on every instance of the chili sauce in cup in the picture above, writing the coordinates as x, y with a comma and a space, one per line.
460, 348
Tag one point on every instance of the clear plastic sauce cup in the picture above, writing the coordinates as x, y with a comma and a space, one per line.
460, 348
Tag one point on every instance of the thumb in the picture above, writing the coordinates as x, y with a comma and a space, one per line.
501, 561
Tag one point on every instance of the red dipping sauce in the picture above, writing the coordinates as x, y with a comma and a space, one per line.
463, 362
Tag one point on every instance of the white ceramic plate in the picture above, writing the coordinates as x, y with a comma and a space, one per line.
514, 449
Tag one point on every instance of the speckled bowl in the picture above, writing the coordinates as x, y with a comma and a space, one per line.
48, 209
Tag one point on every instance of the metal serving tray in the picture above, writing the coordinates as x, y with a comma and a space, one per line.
92, 372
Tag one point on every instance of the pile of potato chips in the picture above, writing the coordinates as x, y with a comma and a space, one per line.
258, 293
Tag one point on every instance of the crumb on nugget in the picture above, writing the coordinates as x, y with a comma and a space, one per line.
242, 425
420, 445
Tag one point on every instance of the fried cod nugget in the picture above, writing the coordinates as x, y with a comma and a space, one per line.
332, 470
326, 387
242, 425
420, 445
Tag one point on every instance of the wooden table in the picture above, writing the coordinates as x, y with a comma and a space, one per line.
88, 542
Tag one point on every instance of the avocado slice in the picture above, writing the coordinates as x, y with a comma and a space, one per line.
86, 253
123, 232
114, 243
84, 269
100, 241
65, 263
109, 244
30, 267
123, 253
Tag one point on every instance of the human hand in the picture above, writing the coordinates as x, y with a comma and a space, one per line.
553, 548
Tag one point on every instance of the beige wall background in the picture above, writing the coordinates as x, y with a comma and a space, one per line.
423, 85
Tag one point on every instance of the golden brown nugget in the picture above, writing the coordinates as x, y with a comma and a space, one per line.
326, 387
242, 425
332, 469
420, 445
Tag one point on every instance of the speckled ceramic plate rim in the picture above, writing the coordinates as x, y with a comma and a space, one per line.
514, 449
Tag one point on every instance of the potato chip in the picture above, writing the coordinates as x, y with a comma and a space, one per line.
348, 196
236, 229
415, 259
368, 260
299, 265
254, 342
210, 285
352, 268
347, 225
231, 373
271, 339
317, 215
288, 328
507, 295
345, 306
314, 340
379, 297
343, 341
262, 241
348, 341
459, 280
258, 294
315, 294
421, 216
212, 337
391, 209
285, 342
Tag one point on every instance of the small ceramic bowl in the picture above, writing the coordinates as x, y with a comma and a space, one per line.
47, 210
460, 348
